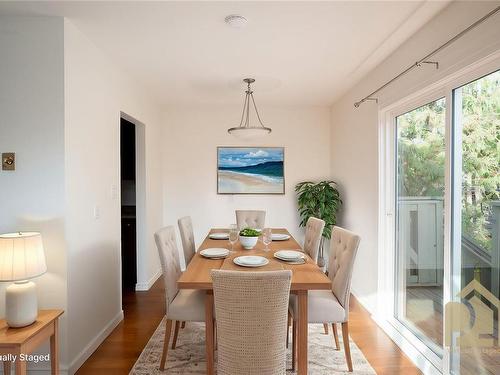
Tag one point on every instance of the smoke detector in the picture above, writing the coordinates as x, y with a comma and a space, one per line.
236, 21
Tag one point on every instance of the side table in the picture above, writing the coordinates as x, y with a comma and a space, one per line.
16, 343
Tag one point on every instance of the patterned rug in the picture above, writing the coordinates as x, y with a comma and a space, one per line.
189, 355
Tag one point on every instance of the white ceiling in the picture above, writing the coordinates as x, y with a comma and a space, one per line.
301, 53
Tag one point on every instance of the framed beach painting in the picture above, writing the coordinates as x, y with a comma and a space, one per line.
250, 170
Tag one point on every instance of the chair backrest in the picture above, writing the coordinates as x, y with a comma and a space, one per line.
314, 233
251, 310
250, 219
169, 258
343, 249
187, 238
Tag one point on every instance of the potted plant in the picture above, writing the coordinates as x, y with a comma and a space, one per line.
321, 200
249, 238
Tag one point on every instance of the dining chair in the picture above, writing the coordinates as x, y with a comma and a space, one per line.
312, 241
332, 306
187, 238
181, 305
314, 233
251, 309
250, 219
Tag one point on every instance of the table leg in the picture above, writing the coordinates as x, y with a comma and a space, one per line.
54, 350
209, 331
20, 367
6, 367
302, 333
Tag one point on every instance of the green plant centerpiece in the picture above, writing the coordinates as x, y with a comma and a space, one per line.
320, 200
249, 238
249, 232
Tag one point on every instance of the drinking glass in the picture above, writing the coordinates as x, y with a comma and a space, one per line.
233, 235
267, 237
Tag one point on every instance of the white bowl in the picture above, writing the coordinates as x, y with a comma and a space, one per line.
248, 242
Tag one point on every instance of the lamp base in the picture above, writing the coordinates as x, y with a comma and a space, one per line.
21, 306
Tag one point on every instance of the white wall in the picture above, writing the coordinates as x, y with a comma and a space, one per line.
190, 140
95, 93
60, 104
32, 126
354, 132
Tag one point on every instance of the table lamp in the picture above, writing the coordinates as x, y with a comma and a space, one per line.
21, 258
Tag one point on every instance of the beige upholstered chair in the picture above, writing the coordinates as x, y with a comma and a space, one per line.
182, 305
250, 219
251, 310
314, 232
187, 238
333, 306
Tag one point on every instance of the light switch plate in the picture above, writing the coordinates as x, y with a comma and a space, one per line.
8, 161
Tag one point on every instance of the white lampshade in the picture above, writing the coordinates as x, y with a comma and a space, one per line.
21, 256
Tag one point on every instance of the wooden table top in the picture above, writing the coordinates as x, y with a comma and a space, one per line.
17, 336
306, 276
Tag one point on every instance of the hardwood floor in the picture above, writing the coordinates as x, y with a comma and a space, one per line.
144, 310
382, 353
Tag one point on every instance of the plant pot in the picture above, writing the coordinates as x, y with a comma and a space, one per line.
248, 242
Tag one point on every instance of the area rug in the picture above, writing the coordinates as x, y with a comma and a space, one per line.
189, 355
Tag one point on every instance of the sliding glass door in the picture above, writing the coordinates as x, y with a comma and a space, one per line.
476, 261
441, 200
420, 172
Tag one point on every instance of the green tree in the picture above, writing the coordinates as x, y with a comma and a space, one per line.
480, 155
421, 153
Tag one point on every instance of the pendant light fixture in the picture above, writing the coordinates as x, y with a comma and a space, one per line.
244, 130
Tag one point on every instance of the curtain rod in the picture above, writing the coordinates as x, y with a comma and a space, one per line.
424, 60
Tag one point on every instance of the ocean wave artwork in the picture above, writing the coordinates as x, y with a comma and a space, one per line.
250, 170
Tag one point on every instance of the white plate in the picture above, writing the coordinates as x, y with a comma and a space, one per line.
300, 260
214, 252
289, 255
251, 261
219, 236
280, 237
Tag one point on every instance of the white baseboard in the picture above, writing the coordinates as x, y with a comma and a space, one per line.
365, 302
92, 346
142, 287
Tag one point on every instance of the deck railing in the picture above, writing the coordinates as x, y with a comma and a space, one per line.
421, 225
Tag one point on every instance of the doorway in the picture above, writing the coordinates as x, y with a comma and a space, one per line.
128, 204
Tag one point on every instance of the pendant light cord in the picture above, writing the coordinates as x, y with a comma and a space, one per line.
256, 111
243, 113
246, 108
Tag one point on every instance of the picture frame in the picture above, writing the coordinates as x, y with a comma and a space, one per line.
250, 170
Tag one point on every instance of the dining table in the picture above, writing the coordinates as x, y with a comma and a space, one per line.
305, 277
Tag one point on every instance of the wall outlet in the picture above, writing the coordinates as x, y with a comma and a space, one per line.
97, 212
